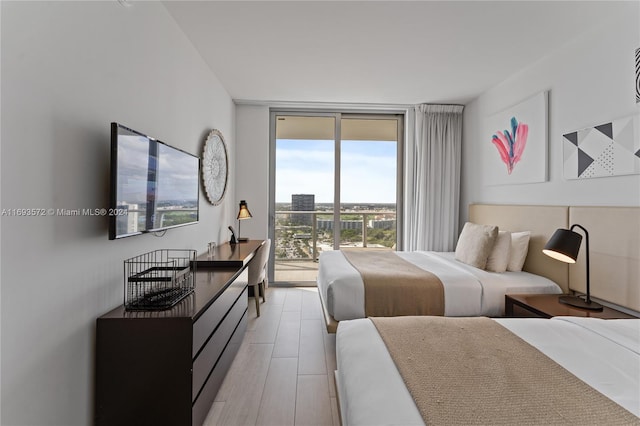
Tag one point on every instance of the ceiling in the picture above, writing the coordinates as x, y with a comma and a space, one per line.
383, 52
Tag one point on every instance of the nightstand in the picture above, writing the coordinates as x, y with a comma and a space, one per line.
547, 306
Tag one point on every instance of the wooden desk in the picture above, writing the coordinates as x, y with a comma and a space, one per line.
229, 255
547, 306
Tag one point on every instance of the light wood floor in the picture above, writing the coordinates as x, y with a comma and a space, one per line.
283, 372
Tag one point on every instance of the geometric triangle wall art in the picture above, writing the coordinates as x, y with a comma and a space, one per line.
638, 75
608, 149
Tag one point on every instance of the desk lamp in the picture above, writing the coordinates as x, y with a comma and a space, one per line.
564, 245
243, 214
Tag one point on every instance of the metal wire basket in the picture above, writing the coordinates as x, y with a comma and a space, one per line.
159, 279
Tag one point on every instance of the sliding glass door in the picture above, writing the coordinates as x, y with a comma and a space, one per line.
335, 183
368, 183
304, 194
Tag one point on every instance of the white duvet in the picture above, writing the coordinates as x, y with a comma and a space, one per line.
468, 291
605, 354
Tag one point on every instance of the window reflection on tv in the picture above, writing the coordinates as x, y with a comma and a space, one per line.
154, 186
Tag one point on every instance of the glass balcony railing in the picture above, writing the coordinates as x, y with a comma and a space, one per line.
303, 235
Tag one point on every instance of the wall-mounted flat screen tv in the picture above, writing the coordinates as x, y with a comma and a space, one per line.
154, 186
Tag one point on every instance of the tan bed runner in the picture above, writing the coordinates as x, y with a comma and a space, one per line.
394, 287
473, 371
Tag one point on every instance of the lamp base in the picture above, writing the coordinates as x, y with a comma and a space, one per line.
580, 303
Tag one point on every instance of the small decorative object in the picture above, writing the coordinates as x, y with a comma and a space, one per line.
159, 279
609, 149
564, 246
211, 249
638, 75
215, 167
243, 214
232, 240
516, 148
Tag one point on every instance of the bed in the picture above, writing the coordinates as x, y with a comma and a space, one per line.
599, 359
468, 291
603, 354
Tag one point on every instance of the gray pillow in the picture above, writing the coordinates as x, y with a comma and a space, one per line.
475, 244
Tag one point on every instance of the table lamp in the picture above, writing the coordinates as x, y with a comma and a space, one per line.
243, 214
564, 245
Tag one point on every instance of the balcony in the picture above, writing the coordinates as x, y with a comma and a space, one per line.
300, 237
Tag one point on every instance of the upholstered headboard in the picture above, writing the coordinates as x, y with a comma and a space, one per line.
614, 255
614, 246
542, 221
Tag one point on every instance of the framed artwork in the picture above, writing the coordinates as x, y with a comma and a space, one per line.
515, 143
609, 149
638, 75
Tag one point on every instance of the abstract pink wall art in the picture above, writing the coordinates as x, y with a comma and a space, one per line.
511, 144
519, 134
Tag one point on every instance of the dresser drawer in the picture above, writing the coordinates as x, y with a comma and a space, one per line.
211, 351
209, 320
202, 405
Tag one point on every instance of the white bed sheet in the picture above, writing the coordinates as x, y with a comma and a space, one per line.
602, 353
468, 291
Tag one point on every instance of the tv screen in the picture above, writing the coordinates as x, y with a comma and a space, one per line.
154, 186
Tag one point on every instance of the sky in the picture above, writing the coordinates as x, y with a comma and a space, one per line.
307, 167
177, 172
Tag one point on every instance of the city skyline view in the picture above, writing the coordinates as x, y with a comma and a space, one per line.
368, 172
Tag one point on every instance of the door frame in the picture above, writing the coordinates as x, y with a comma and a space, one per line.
338, 115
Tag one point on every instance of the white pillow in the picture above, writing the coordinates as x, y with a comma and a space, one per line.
475, 244
519, 249
499, 257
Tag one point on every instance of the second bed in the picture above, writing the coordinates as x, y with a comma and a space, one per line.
468, 291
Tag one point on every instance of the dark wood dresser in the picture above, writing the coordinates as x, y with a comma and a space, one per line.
165, 367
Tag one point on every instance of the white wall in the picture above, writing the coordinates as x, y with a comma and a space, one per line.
68, 70
0, 219
591, 81
252, 173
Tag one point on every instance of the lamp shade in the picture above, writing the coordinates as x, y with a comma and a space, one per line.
563, 245
244, 212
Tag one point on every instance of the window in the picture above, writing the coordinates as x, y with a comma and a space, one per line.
320, 161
